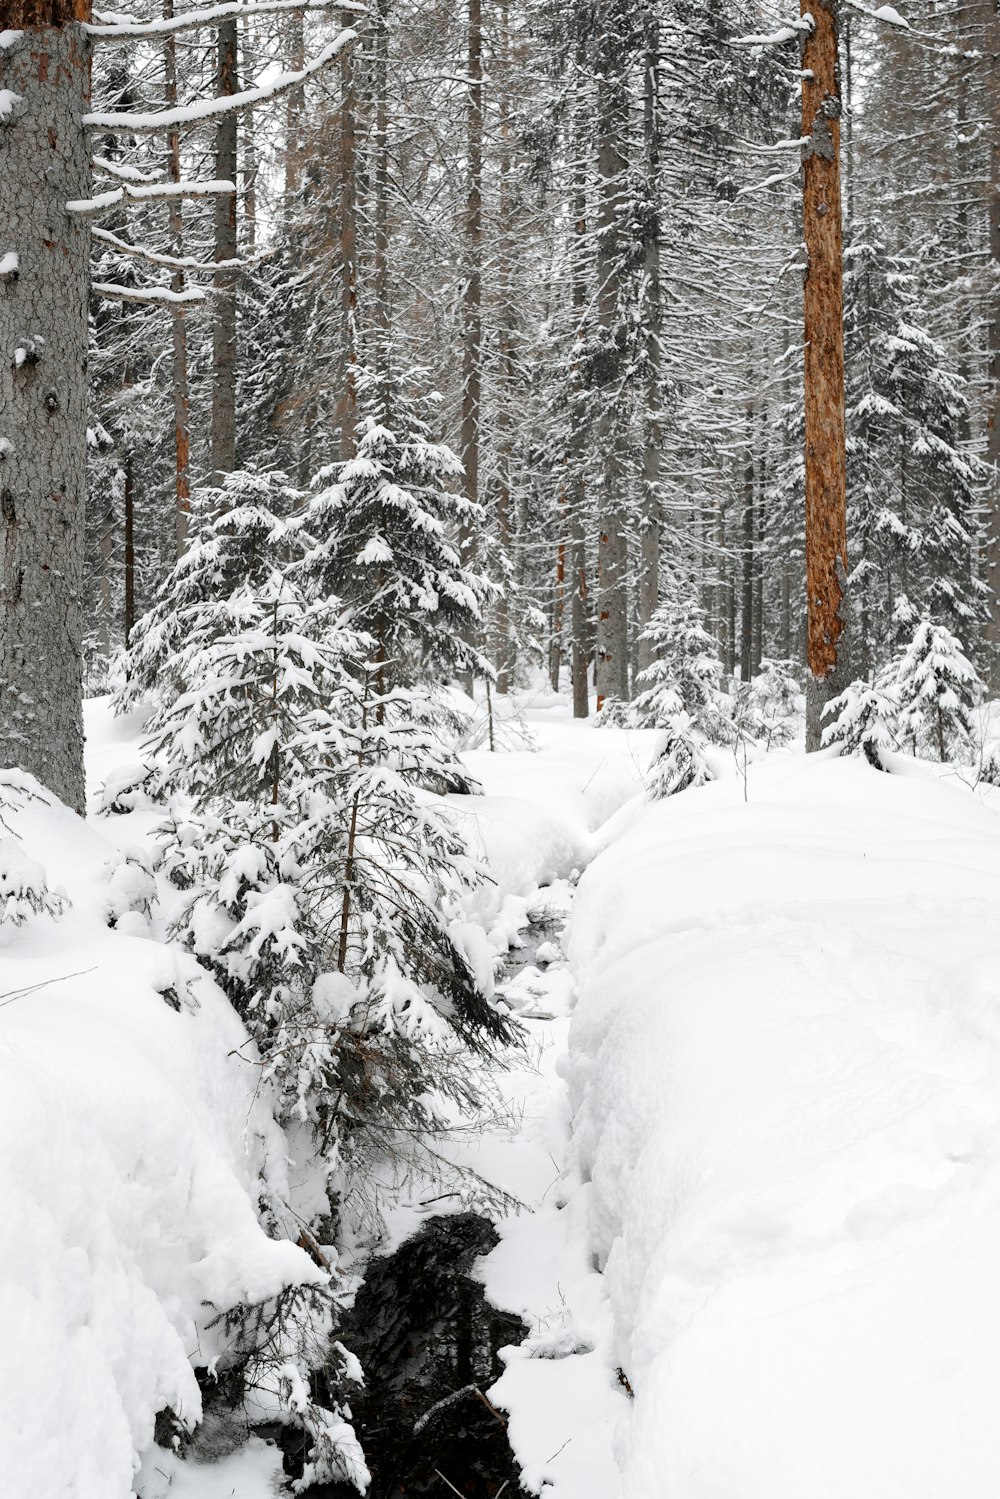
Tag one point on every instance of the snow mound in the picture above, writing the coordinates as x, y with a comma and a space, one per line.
136, 1151
785, 1069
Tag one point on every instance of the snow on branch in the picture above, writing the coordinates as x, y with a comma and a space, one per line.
124, 172
213, 109
172, 262
152, 295
785, 33
114, 28
152, 190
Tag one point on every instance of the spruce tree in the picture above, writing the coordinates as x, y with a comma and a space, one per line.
937, 689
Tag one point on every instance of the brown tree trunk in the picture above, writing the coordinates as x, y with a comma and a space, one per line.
179, 367
44, 163
223, 438
380, 182
576, 454
825, 458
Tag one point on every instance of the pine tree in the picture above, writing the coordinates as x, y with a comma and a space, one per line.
685, 669
386, 534
863, 720
912, 483
937, 689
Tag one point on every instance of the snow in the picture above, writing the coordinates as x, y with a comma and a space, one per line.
9, 101
136, 1147
785, 1070
9, 263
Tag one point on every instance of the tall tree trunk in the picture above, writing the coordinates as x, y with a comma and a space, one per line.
576, 448
649, 534
222, 458
612, 552
347, 406
993, 408
825, 457
747, 559
472, 294
44, 163
380, 184
294, 110
179, 366
129, 508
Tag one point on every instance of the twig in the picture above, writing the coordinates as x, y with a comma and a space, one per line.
12, 994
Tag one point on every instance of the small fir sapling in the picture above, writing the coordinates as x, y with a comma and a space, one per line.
938, 690
681, 762
24, 887
863, 719
776, 703
686, 669
320, 882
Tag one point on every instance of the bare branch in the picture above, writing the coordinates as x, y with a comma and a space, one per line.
155, 296
172, 262
153, 190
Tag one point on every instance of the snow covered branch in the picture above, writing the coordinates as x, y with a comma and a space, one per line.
152, 190
114, 28
214, 109
785, 33
172, 262
152, 295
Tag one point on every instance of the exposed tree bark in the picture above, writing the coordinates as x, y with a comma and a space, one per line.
576, 455
179, 366
825, 456
44, 163
222, 458
612, 551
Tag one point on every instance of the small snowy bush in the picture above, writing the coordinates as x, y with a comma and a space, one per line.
24, 889
863, 720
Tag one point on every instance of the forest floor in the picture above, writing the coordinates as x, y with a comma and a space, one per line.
754, 1132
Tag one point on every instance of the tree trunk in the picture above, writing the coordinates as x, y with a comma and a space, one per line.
649, 534
747, 559
129, 507
576, 454
612, 552
223, 440
993, 409
347, 406
179, 368
825, 457
380, 179
44, 163
472, 318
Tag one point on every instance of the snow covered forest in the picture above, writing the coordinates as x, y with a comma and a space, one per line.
499, 749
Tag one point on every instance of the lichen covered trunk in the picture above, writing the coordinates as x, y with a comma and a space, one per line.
44, 284
825, 454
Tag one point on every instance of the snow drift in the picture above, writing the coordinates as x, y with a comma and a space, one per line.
136, 1150
785, 1066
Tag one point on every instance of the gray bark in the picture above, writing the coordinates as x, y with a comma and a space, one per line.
223, 436
612, 549
43, 406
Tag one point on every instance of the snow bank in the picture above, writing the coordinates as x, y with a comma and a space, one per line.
134, 1151
785, 1068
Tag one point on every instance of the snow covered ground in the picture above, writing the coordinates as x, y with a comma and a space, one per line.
756, 1132
785, 1070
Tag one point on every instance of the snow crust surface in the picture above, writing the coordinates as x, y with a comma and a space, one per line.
785, 1071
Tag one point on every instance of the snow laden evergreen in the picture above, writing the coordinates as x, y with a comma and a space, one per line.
320, 882
776, 703
386, 540
240, 534
685, 674
913, 515
937, 690
863, 720
682, 761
